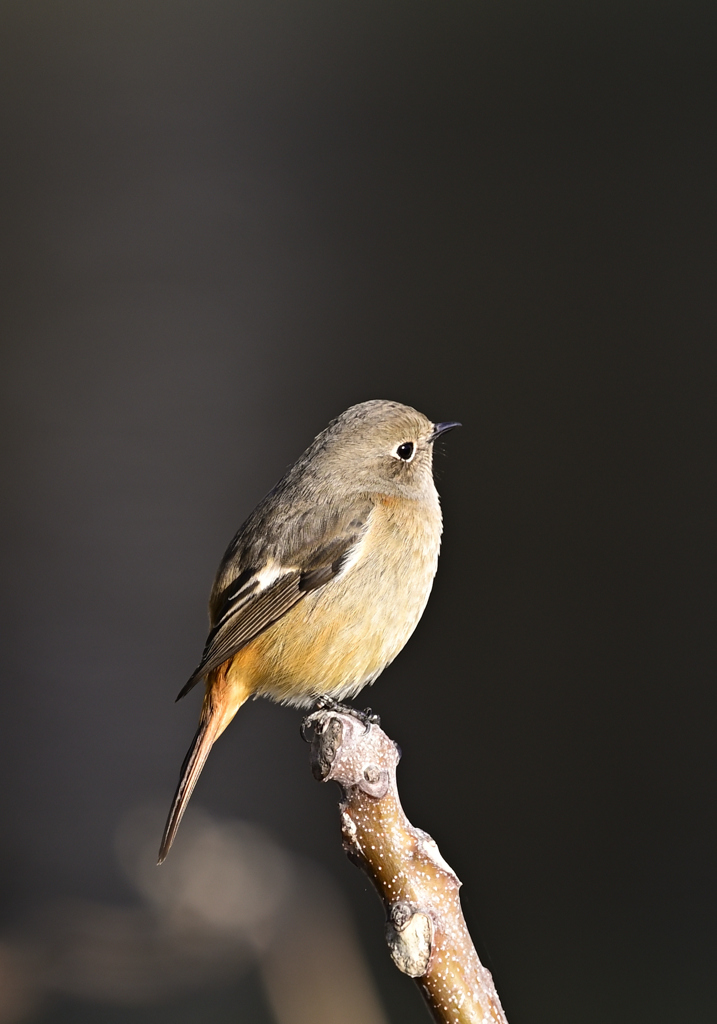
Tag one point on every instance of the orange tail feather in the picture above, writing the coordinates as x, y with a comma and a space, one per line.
221, 703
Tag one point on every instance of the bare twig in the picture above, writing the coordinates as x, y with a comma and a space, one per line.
426, 934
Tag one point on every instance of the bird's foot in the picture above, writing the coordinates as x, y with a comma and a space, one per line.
367, 716
324, 704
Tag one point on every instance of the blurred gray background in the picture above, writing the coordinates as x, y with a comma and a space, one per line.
221, 224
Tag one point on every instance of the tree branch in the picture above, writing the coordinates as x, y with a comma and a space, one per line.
425, 930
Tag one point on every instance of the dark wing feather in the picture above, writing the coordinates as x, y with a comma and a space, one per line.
240, 588
242, 613
329, 561
240, 625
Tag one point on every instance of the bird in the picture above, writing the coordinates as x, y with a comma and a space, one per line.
326, 580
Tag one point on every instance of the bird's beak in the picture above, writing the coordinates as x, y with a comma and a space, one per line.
442, 428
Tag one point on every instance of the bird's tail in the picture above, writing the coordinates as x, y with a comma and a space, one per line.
217, 713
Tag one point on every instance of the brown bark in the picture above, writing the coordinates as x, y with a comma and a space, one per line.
425, 930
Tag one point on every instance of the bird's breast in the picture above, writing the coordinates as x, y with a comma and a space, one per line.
341, 636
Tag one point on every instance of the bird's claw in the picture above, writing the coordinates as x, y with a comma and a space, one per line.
323, 704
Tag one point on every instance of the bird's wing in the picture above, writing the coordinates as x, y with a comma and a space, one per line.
256, 598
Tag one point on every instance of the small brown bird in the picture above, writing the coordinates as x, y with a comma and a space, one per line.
326, 580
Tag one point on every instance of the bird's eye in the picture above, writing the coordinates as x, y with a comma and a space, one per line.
405, 451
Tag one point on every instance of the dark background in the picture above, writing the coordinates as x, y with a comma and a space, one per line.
222, 223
